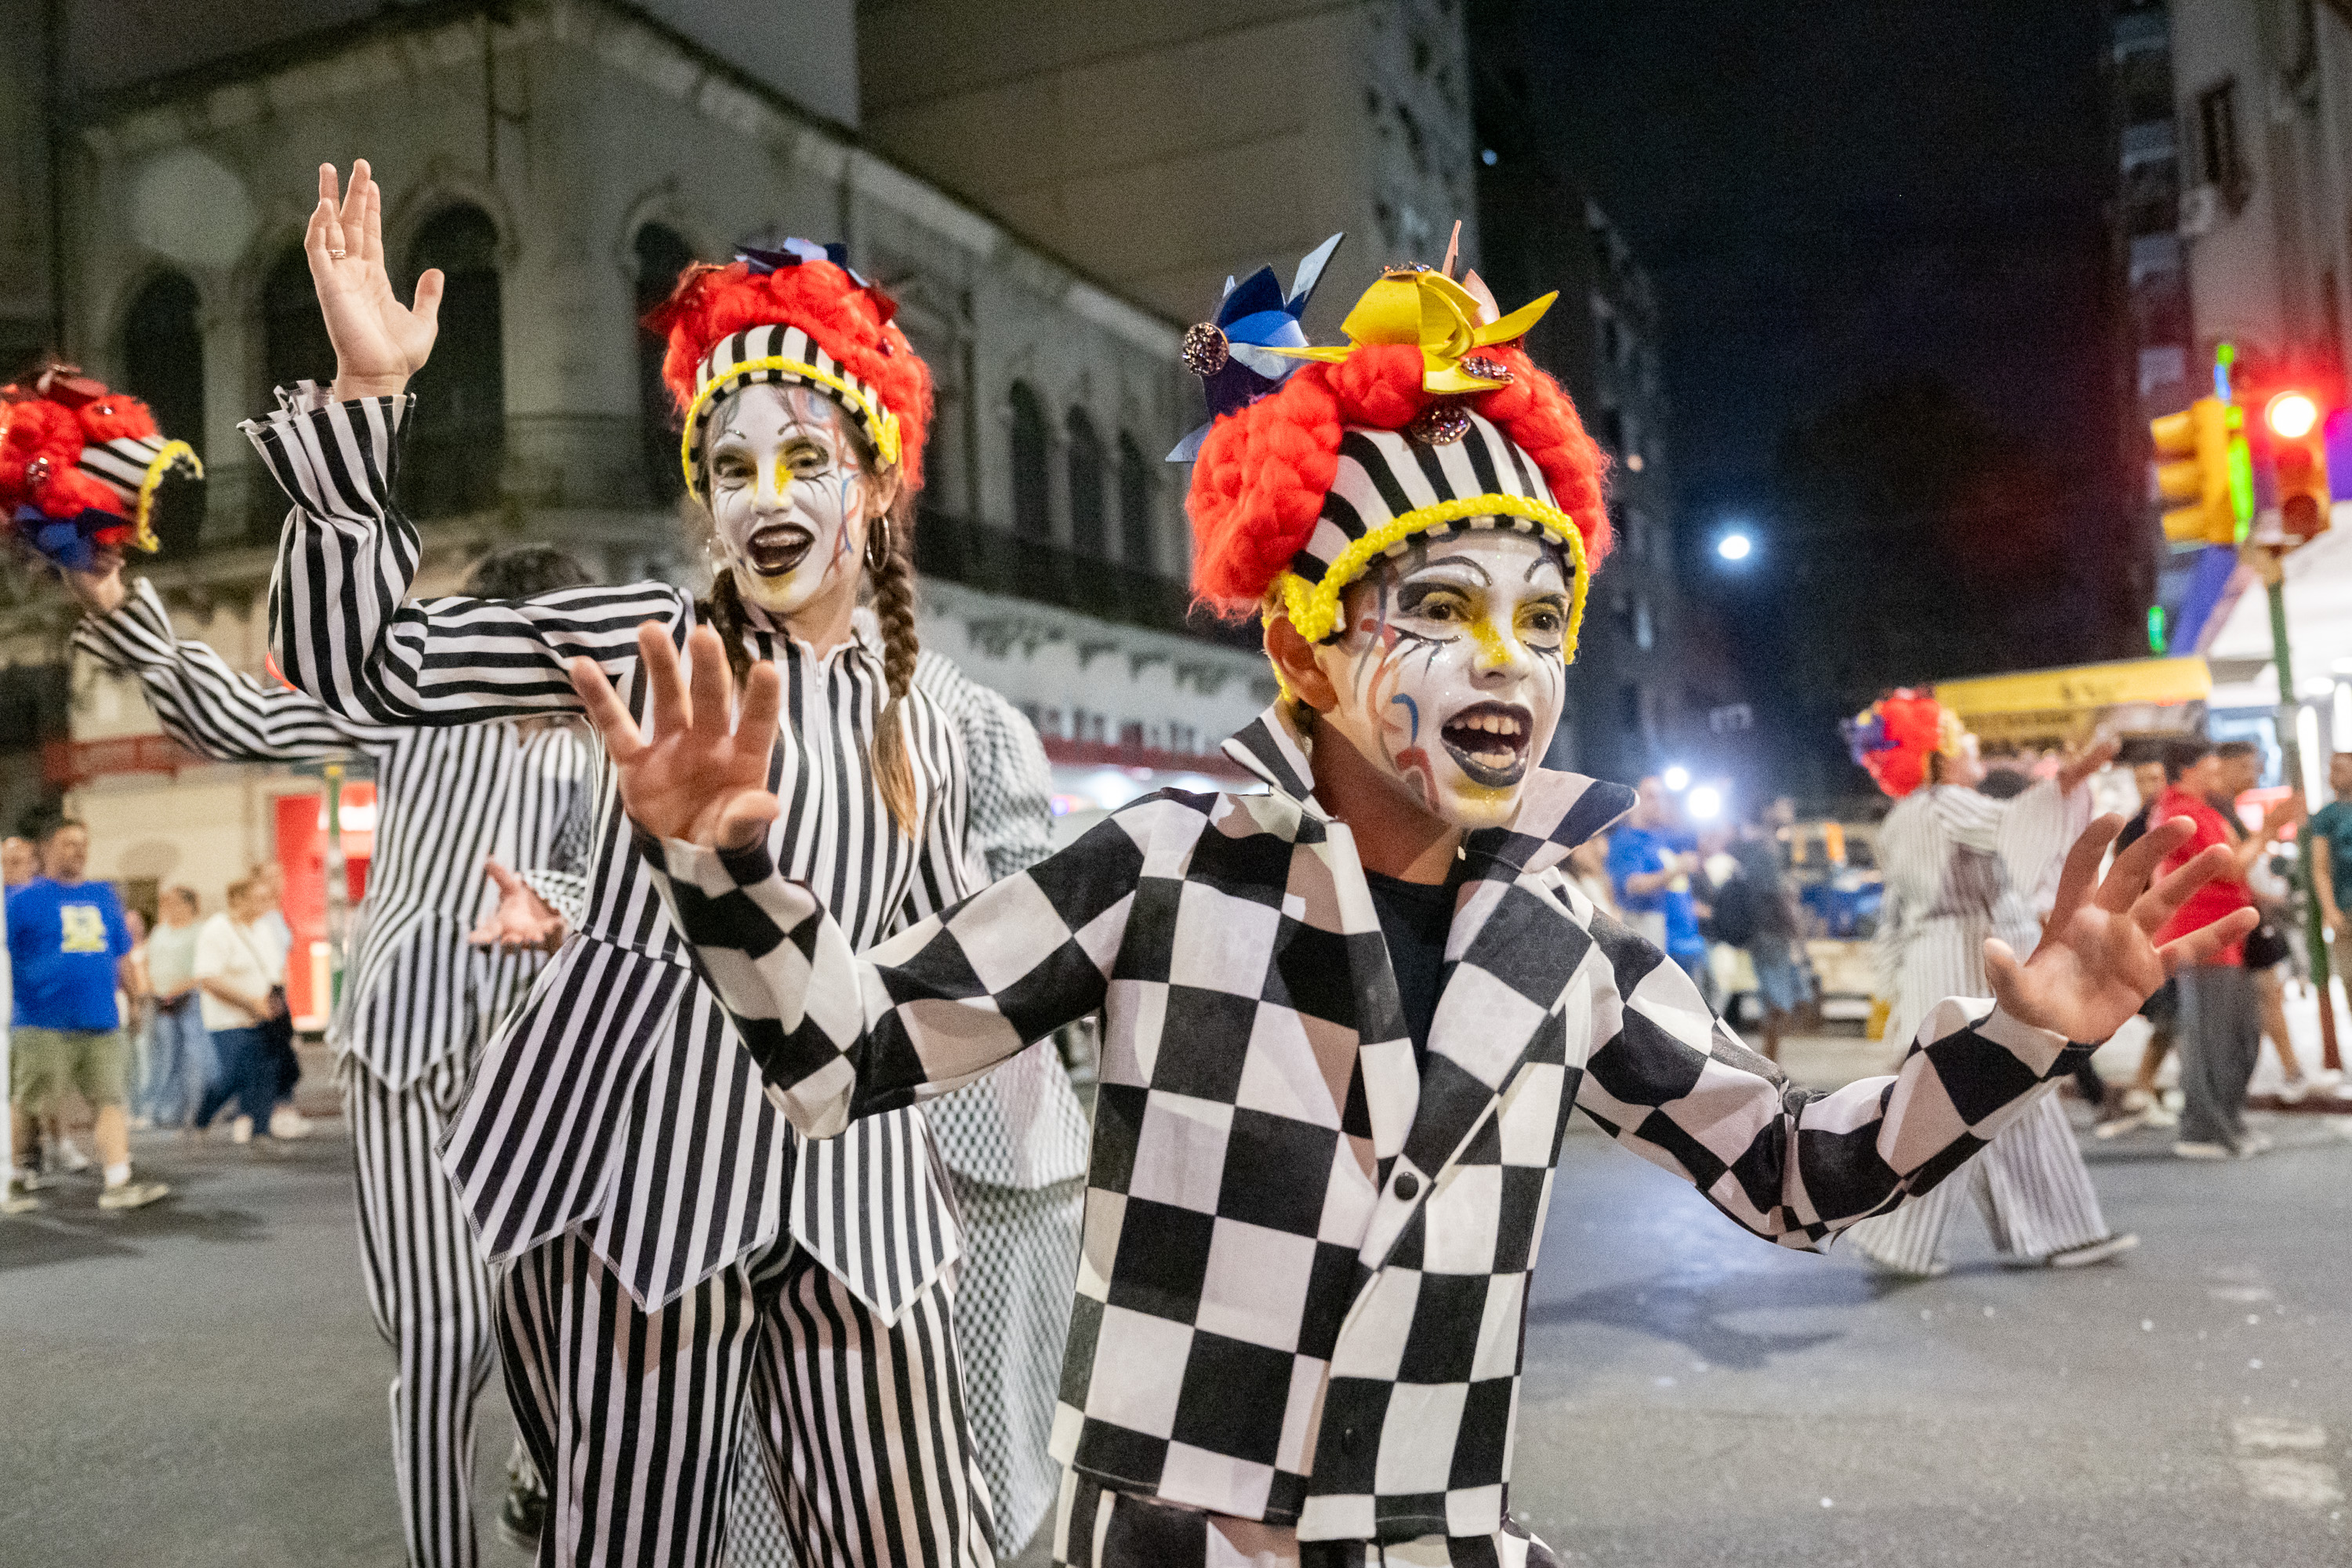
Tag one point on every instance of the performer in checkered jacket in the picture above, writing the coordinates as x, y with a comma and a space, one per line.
1345, 1018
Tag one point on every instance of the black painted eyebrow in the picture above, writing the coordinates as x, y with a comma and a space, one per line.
1457, 561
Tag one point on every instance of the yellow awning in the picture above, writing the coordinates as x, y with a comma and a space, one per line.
2133, 695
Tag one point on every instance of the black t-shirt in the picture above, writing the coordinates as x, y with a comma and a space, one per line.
1414, 918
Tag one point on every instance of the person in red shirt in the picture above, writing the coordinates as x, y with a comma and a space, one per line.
2220, 1032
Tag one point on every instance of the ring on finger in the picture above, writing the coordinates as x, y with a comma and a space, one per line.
334, 256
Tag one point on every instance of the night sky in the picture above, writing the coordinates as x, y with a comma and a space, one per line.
1833, 194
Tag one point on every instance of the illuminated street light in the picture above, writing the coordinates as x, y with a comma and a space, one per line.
1706, 803
2292, 414
1675, 778
1735, 546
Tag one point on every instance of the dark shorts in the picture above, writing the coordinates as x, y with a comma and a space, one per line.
2162, 1007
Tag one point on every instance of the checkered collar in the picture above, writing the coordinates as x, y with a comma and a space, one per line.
1558, 811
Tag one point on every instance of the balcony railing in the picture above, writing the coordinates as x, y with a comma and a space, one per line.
978, 556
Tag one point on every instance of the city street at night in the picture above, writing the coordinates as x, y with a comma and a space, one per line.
198, 1384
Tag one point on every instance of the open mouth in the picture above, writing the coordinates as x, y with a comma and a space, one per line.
1489, 741
777, 549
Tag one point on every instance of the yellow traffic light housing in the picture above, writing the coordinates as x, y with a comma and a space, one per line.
2203, 463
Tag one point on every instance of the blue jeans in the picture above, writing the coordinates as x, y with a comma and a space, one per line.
179, 1064
249, 1074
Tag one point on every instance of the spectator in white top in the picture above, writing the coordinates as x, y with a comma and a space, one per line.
239, 975
180, 1054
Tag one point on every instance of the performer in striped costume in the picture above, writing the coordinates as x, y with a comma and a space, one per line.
1961, 867
418, 1001
674, 1251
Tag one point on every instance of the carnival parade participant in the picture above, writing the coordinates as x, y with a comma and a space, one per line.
418, 1002
674, 1250
1961, 867
1345, 1018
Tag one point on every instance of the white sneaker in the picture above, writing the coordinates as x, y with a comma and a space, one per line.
132, 1195
70, 1158
240, 1130
2254, 1143
2294, 1091
288, 1122
2202, 1150
2092, 1252
2163, 1117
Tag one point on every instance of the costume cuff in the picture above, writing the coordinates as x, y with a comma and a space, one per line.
139, 633
334, 460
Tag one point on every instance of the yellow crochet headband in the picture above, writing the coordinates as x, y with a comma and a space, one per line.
173, 455
881, 424
1314, 608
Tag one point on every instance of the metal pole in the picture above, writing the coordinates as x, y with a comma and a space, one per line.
2291, 748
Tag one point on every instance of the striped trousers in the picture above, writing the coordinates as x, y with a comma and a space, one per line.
635, 1419
2030, 1184
431, 1297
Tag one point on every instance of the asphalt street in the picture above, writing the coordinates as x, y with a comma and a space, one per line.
199, 1383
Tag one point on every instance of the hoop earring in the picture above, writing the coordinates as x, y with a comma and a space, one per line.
877, 545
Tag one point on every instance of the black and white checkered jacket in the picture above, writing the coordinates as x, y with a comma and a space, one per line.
1305, 1260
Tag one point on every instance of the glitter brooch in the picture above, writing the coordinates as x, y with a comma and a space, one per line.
1485, 369
1205, 349
1439, 424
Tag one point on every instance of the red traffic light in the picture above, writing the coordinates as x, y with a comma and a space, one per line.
2292, 414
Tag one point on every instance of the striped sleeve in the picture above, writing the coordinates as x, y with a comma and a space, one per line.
1672, 1083
2036, 830
837, 1036
342, 623
207, 707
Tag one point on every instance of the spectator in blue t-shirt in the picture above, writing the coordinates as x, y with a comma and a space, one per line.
67, 945
1652, 873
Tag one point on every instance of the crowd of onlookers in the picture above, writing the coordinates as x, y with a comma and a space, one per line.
1703, 892
123, 1018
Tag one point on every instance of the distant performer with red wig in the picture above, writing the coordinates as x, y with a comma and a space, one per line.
1345, 1018
1959, 867
680, 1261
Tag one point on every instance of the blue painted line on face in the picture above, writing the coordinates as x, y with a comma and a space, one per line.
1412, 712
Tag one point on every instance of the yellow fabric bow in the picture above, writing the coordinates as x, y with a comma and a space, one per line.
1416, 305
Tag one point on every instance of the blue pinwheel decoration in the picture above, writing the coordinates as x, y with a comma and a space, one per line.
1229, 354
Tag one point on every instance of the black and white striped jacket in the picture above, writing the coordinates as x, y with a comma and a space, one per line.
414, 990
1306, 1259
606, 1106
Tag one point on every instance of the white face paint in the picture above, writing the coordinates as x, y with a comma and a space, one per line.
1451, 672
790, 501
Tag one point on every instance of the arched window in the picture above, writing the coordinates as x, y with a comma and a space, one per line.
294, 342
163, 365
456, 435
1135, 507
1088, 535
1031, 509
662, 254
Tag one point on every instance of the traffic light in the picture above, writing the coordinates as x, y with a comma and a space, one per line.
2203, 461
2299, 461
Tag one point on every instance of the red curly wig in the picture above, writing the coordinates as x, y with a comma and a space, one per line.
1264, 470
54, 419
1914, 727
850, 320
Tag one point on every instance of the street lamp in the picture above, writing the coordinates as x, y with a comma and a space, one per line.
1706, 802
1675, 778
1735, 546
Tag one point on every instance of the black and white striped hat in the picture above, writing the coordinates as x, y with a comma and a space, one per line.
777, 355
1390, 488
133, 467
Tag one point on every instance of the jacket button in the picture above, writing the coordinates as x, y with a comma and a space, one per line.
1346, 1440
1408, 1185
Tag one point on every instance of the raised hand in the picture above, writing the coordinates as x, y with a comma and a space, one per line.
702, 775
379, 343
2078, 765
522, 922
101, 592
2097, 960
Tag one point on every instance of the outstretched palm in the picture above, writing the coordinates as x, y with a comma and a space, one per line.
379, 343
2098, 961
702, 775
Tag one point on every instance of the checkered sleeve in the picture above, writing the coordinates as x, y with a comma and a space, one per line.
838, 1036
1673, 1084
